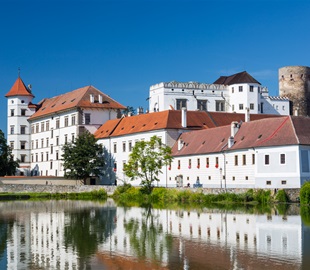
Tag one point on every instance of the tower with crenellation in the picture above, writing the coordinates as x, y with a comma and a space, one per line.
294, 83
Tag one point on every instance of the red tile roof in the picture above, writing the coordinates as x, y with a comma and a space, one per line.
170, 119
19, 89
79, 98
241, 77
276, 131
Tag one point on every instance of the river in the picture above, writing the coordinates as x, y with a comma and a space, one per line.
102, 235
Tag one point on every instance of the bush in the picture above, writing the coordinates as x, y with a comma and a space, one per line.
305, 193
262, 196
281, 196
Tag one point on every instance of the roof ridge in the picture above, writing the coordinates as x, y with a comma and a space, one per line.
274, 133
298, 141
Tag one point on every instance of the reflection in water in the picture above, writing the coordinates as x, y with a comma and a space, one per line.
90, 235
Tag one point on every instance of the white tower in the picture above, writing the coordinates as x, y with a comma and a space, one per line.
18, 137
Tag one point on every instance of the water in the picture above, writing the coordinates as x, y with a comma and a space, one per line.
92, 235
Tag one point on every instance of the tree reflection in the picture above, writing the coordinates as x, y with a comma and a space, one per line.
3, 237
147, 237
86, 229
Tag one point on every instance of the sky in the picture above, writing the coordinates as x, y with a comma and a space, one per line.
122, 47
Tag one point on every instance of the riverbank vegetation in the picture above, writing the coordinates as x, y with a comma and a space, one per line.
128, 194
92, 195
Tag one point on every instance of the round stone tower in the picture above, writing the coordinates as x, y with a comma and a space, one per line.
294, 83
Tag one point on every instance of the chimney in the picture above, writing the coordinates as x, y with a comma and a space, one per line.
100, 98
129, 114
139, 110
184, 117
233, 130
91, 98
180, 144
247, 115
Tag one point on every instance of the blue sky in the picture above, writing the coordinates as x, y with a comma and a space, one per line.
124, 47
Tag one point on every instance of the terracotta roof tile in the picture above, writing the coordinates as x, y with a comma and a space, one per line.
241, 77
265, 132
19, 89
78, 98
170, 119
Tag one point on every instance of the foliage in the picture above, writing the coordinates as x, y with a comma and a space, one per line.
305, 215
8, 165
262, 196
281, 196
83, 157
129, 109
305, 193
146, 161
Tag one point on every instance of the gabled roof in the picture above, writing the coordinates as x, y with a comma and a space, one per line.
79, 98
276, 131
241, 77
19, 89
170, 119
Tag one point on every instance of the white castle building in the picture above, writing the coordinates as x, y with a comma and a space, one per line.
232, 93
37, 132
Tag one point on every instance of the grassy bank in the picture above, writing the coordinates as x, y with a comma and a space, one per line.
132, 195
92, 195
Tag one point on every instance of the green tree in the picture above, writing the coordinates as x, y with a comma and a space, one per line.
129, 109
83, 157
8, 165
146, 161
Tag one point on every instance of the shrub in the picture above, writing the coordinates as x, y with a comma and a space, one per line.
305, 193
281, 196
262, 196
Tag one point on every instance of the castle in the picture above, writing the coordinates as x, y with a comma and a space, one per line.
37, 132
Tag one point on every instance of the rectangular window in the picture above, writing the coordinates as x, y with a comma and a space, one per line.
32, 129
130, 146
37, 128
23, 130
253, 159
12, 112
202, 105
72, 137
11, 129
189, 163
47, 143
52, 149
181, 103
52, 133
251, 106
266, 159
12, 145
22, 145
217, 161
47, 125
207, 162
66, 138
198, 163
87, 118
283, 182
57, 155
42, 156
246, 178
282, 158
236, 160
23, 112
232, 90
22, 158
243, 159
51, 165
42, 127
251, 88
233, 178
42, 143
72, 120
46, 156
179, 164
114, 148
57, 123
268, 183
240, 88
36, 157
37, 144
31, 157
240, 106
32, 144
262, 107
57, 140
124, 146
66, 121
219, 105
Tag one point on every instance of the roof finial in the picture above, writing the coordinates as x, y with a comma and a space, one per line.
18, 72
